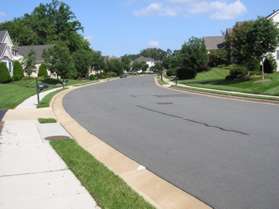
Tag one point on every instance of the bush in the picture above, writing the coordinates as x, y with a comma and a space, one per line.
270, 64
92, 77
4, 73
111, 74
43, 71
237, 72
183, 73
253, 65
171, 72
18, 71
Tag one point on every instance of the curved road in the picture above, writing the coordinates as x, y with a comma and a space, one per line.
224, 152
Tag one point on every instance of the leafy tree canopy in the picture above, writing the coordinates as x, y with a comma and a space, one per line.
155, 53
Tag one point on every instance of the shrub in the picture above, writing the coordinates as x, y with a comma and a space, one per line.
4, 73
237, 72
270, 64
171, 72
92, 77
185, 73
111, 74
18, 71
43, 71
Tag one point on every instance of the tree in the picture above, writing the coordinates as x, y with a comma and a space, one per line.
193, 54
58, 60
158, 67
251, 41
29, 63
115, 65
47, 23
83, 61
139, 66
126, 62
217, 57
269, 64
4, 73
98, 62
43, 71
155, 53
18, 71
262, 38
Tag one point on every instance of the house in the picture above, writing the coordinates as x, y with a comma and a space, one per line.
274, 16
149, 61
214, 42
38, 50
7, 52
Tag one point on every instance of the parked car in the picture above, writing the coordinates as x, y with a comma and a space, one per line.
124, 75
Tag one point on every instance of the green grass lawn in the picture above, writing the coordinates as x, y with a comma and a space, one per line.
47, 120
215, 79
107, 189
14, 93
45, 102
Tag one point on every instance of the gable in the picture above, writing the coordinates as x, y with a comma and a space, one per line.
7, 40
274, 16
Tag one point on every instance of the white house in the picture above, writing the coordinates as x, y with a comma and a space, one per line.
149, 61
7, 53
275, 17
10, 53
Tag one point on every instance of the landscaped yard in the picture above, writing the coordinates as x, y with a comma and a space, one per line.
215, 79
12, 94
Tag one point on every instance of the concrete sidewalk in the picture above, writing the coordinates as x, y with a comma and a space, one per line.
32, 175
32, 101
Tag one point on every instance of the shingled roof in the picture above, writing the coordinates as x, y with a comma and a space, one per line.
3, 34
214, 42
38, 50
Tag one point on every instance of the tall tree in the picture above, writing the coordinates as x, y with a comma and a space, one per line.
29, 63
155, 53
83, 61
58, 60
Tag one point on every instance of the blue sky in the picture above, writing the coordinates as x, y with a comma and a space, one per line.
116, 27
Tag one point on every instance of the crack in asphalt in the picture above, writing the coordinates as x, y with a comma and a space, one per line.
192, 121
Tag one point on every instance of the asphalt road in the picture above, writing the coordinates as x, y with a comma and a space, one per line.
224, 152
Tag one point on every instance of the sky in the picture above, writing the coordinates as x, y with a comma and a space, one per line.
118, 27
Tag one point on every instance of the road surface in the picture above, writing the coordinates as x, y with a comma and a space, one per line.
224, 152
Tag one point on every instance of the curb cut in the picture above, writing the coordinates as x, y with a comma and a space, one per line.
158, 192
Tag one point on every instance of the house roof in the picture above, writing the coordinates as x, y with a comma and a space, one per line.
3, 34
2, 49
38, 50
144, 59
214, 42
274, 12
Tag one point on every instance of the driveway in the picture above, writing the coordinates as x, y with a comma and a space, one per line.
224, 152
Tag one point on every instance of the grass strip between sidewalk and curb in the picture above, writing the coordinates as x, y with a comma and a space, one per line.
45, 102
47, 120
109, 190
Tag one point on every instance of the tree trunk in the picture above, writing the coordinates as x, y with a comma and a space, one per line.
263, 72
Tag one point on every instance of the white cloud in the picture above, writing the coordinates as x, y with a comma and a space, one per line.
215, 9
153, 44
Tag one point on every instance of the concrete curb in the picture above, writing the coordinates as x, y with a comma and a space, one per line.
255, 98
154, 189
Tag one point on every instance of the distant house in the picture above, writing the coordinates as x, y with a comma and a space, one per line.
214, 42
275, 17
149, 61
